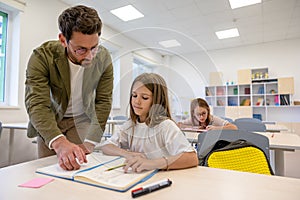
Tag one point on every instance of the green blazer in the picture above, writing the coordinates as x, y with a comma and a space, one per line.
47, 91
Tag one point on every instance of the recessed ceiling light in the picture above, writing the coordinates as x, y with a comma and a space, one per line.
169, 43
241, 3
127, 13
228, 33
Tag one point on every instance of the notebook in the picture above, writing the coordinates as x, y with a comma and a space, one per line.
95, 173
193, 129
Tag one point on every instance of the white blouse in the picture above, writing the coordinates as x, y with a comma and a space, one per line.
164, 139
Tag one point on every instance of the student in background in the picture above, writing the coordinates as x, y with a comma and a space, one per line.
69, 86
151, 139
201, 117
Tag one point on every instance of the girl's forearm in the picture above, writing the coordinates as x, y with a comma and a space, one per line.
184, 160
113, 150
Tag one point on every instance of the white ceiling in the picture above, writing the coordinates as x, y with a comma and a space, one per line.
193, 22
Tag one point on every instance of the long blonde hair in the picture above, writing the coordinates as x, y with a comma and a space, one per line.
160, 108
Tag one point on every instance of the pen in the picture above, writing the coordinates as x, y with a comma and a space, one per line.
151, 188
116, 167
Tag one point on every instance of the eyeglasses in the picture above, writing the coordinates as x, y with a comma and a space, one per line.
82, 51
201, 114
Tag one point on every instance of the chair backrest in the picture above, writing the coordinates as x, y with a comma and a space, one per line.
120, 117
228, 119
247, 119
207, 139
250, 124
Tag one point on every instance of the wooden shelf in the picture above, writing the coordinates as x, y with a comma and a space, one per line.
251, 96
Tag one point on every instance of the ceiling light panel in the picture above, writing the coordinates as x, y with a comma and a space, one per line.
241, 3
229, 33
127, 13
169, 43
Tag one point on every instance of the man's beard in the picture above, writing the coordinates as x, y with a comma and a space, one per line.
86, 63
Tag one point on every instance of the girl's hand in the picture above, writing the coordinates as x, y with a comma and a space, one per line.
210, 127
139, 164
134, 154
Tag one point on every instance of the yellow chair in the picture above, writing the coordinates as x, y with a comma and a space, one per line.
247, 159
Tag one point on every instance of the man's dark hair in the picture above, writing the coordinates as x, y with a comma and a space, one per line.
79, 19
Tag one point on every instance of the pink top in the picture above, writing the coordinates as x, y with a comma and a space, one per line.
215, 121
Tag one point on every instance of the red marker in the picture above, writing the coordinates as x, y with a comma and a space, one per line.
151, 188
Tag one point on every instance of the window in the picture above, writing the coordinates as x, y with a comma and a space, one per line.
140, 67
10, 14
113, 49
3, 38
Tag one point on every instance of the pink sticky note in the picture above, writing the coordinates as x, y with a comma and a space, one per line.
36, 182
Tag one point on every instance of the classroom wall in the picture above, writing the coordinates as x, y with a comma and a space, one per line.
281, 57
36, 27
188, 75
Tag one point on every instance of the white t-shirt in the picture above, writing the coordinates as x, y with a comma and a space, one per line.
75, 106
164, 139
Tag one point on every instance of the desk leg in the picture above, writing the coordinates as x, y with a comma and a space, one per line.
112, 128
279, 162
11, 143
109, 129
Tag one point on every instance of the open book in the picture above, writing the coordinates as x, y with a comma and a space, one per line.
94, 173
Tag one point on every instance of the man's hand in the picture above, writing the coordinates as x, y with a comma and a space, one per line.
68, 154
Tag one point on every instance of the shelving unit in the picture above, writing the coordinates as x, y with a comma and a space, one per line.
255, 95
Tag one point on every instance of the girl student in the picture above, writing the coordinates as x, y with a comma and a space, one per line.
201, 117
150, 139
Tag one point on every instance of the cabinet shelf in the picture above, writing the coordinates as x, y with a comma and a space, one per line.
263, 80
255, 97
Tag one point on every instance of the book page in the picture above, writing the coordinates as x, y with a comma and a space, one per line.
94, 159
115, 179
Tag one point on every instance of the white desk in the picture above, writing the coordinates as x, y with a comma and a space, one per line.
279, 142
275, 128
195, 183
12, 127
23, 126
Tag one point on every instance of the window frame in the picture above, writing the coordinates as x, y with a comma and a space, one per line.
11, 97
3, 50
